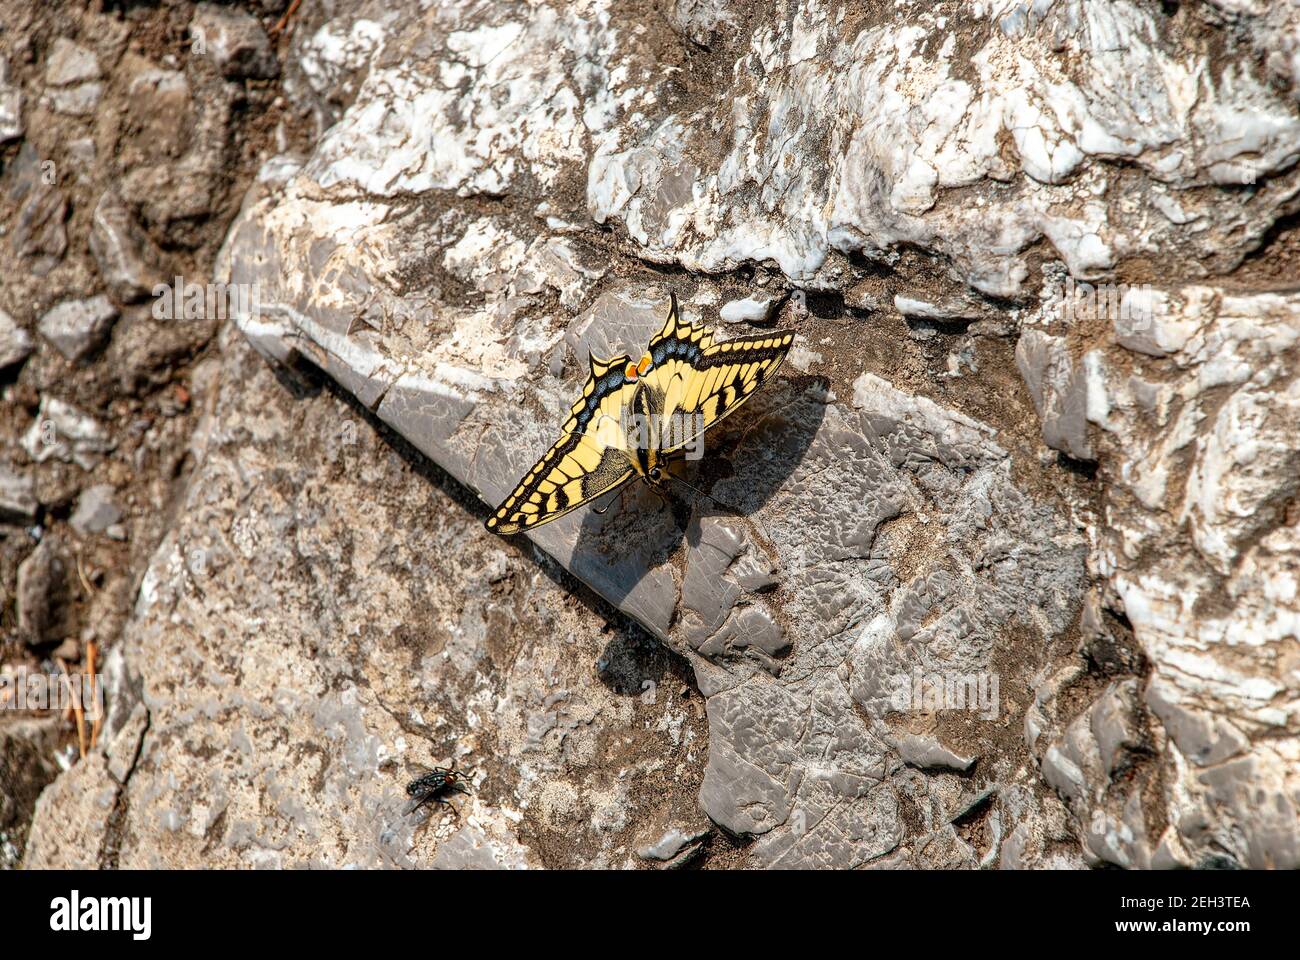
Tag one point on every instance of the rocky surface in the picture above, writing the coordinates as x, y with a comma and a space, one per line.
77, 328
100, 111
1001, 571
313, 665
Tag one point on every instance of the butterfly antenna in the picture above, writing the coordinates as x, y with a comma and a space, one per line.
708, 496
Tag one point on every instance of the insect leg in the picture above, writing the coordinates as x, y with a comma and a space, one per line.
619, 500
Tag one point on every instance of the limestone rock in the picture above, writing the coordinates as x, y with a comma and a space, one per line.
17, 496
77, 328
15, 342
61, 430
39, 580
26, 767
11, 106
1059, 390
236, 42
68, 63
96, 510
39, 233
119, 248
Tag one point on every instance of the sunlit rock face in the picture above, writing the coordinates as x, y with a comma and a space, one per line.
1002, 570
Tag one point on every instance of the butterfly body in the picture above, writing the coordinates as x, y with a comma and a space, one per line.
633, 416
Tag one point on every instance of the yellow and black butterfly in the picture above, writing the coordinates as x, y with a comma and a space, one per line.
683, 385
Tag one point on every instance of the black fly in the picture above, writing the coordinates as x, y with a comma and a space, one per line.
435, 785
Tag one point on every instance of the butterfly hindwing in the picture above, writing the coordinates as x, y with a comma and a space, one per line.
587, 461
705, 381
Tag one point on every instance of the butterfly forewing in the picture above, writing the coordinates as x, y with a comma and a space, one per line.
589, 459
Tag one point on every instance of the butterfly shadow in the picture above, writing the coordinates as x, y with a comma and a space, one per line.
749, 455
744, 462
